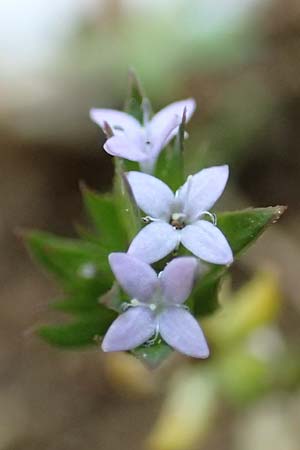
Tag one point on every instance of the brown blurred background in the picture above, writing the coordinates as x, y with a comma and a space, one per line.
241, 61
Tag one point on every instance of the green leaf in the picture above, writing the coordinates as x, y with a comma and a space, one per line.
114, 298
77, 304
104, 214
81, 333
153, 355
125, 202
170, 167
204, 300
78, 265
134, 102
241, 228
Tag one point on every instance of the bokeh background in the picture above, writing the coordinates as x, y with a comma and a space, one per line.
240, 59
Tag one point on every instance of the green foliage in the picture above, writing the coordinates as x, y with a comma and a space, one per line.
170, 167
104, 213
125, 202
82, 332
77, 304
74, 262
134, 102
154, 355
241, 228
81, 265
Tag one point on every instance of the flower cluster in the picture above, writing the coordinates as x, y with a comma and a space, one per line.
172, 219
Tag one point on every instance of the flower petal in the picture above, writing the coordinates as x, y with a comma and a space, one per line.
182, 332
152, 195
160, 136
125, 148
160, 119
119, 121
136, 277
203, 190
129, 330
154, 242
178, 278
207, 242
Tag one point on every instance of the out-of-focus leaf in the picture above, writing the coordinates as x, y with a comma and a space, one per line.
114, 298
153, 355
125, 202
104, 214
170, 167
188, 412
134, 102
81, 333
87, 235
79, 266
77, 304
243, 376
241, 228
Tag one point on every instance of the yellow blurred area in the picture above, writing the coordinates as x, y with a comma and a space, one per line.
128, 375
188, 413
257, 303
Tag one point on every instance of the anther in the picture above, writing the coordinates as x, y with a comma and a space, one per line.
178, 220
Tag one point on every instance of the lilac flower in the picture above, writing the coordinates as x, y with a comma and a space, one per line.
156, 306
140, 143
179, 218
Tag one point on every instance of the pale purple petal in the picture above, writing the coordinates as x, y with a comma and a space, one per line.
178, 278
152, 195
119, 121
154, 242
204, 189
123, 147
160, 119
207, 242
181, 331
182, 194
160, 136
130, 329
136, 277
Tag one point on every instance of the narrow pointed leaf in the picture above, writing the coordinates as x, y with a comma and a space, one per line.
134, 102
170, 167
104, 214
114, 298
125, 202
78, 265
241, 228
81, 333
77, 304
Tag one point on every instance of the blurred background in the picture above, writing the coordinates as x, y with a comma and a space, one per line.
240, 59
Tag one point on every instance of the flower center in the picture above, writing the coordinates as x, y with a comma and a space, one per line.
178, 220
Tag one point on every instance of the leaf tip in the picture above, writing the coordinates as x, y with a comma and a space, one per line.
134, 79
279, 210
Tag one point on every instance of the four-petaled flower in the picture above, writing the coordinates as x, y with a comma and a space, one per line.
178, 218
140, 143
156, 306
